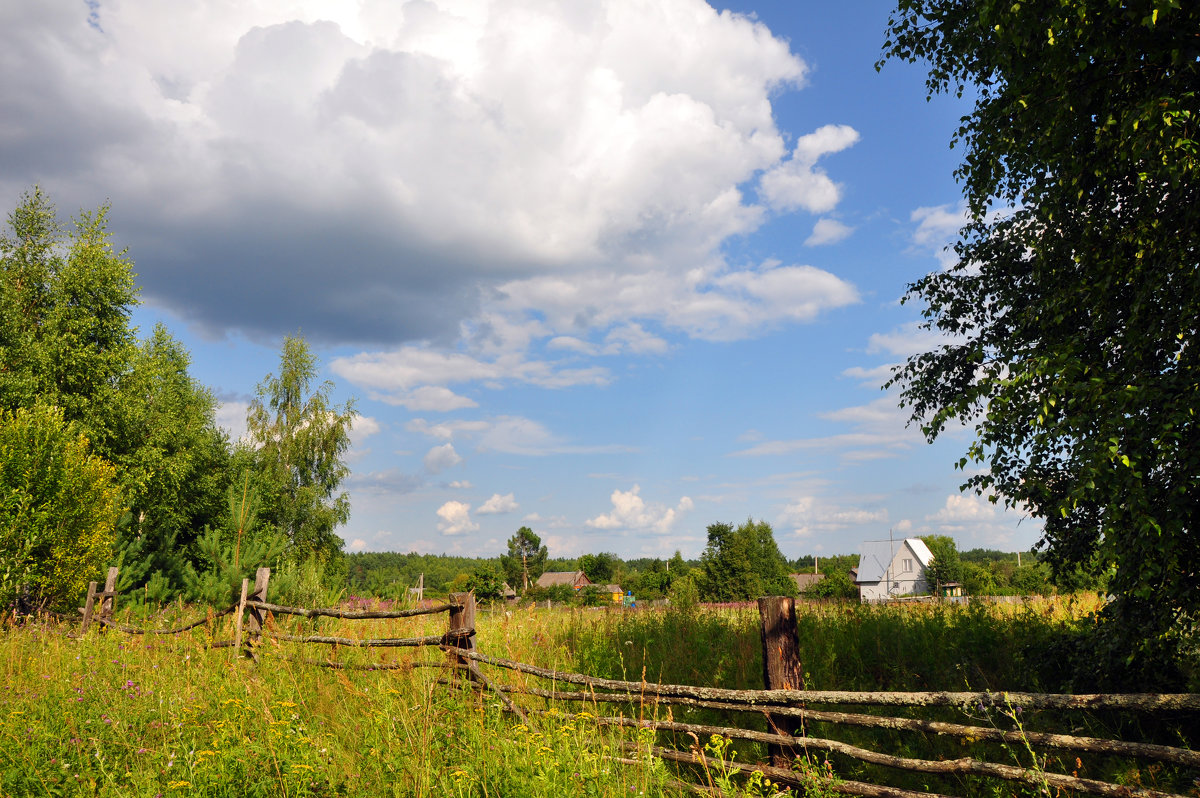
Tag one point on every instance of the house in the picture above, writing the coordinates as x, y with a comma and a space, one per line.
891, 568
574, 579
805, 581
612, 592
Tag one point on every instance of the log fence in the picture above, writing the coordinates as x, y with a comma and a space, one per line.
785, 706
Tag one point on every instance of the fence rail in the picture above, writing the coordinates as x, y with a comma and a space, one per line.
784, 704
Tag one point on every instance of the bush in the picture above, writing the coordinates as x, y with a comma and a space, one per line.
59, 507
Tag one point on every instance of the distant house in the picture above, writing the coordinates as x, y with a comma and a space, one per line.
891, 568
574, 579
805, 581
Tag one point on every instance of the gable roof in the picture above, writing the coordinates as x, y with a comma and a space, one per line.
571, 578
805, 581
876, 555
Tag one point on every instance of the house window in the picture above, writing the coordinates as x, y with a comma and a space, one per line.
907, 565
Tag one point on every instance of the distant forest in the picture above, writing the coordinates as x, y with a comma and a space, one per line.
390, 574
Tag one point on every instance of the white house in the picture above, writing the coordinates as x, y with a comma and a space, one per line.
891, 568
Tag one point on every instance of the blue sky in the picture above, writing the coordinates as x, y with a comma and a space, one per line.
614, 271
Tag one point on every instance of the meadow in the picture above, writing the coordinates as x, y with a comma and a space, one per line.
116, 714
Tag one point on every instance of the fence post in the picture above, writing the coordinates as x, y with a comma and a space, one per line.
241, 611
781, 664
261, 578
88, 607
461, 631
110, 593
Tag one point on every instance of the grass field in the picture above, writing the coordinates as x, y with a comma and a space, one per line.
114, 714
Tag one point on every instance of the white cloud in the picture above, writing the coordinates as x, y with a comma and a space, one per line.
797, 183
964, 508
937, 229
872, 377
630, 511
456, 518
363, 428
498, 504
810, 514
461, 484
231, 416
358, 544
906, 340
878, 431
828, 231
708, 302
508, 434
439, 458
455, 144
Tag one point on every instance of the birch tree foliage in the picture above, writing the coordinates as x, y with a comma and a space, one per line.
1071, 317
300, 438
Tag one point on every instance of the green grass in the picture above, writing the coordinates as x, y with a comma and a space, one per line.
114, 714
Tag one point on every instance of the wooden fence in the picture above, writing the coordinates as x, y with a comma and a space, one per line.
783, 707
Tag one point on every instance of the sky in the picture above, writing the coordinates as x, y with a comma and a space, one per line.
613, 270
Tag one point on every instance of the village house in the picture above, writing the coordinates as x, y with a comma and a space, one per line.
892, 568
574, 579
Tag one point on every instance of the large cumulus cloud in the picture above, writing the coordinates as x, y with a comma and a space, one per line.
374, 171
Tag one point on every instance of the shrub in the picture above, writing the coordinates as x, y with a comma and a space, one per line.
59, 507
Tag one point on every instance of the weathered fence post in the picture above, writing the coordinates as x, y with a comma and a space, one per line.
107, 599
255, 625
107, 605
461, 631
88, 607
781, 664
237, 626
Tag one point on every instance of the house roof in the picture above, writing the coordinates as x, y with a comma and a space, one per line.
876, 555
611, 589
572, 578
805, 581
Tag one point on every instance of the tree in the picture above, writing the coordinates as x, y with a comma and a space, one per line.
743, 563
946, 565
65, 301
65, 340
1070, 318
59, 505
300, 439
526, 557
486, 581
599, 568
173, 462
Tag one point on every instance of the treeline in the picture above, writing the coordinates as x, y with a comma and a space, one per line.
739, 563
110, 452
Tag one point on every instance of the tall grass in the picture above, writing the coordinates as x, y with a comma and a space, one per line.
111, 714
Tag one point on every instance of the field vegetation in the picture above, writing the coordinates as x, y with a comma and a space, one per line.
115, 714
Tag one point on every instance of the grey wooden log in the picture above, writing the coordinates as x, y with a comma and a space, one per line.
781, 665
379, 642
1134, 702
133, 630
1066, 742
462, 617
782, 776
964, 765
241, 612
107, 605
330, 612
262, 578
346, 666
89, 607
